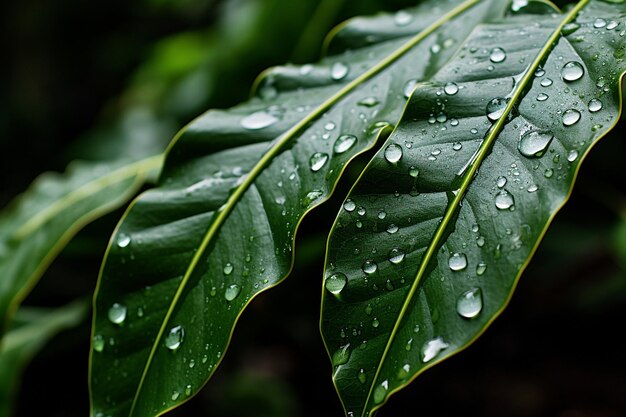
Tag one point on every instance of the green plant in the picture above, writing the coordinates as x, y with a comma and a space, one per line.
481, 111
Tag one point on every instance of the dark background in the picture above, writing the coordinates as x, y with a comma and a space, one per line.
83, 79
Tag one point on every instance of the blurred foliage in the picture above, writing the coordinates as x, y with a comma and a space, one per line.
100, 79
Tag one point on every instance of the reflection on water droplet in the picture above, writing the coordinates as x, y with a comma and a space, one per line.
396, 256
369, 267
342, 355
595, 105
572, 71
481, 268
451, 89
497, 55
534, 144
349, 205
470, 303
317, 161
547, 82
380, 392
393, 153
188, 390
500, 182
344, 143
432, 348
123, 240
504, 200
599, 23
496, 108
175, 337
571, 117
572, 155
542, 97
392, 228
413, 171
457, 262
339, 71
231, 292
258, 120
117, 313
336, 282
228, 268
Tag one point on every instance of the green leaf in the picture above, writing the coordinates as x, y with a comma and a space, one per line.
39, 223
434, 236
31, 330
189, 255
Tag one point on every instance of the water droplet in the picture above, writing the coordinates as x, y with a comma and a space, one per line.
188, 390
572, 155
432, 348
403, 18
504, 200
336, 282
599, 23
175, 395
457, 146
174, 338
393, 153
413, 171
612, 25
396, 256
595, 105
349, 205
496, 108
344, 143
542, 97
375, 323
368, 309
369, 267
451, 89
403, 373
382, 214
481, 268
342, 355
317, 161
231, 292
497, 55
548, 173
258, 120
380, 392
534, 144
570, 28
457, 262
392, 228
470, 303
362, 376
547, 82
339, 71
572, 71
228, 268
123, 240
409, 87
361, 211
500, 182
98, 343
117, 313
532, 188
368, 102
571, 117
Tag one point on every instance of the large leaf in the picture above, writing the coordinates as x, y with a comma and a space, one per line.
30, 331
189, 255
40, 222
434, 236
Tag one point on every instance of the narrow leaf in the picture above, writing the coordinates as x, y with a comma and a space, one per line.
189, 255
40, 222
451, 209
30, 332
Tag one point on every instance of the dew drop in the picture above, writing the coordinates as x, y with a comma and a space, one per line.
368, 102
380, 392
349, 205
504, 200
369, 267
342, 355
533, 144
432, 348
496, 108
123, 240
382, 214
392, 228
542, 97
571, 117
375, 323
409, 87
599, 23
396, 256
231, 292
228, 268
572, 71
413, 172
393, 153
500, 182
258, 120
547, 82
570, 28
481, 268
117, 313
361, 376
98, 343
336, 282
595, 105
470, 303
344, 143
317, 161
572, 155
175, 395
188, 390
451, 89
339, 71
457, 146
403, 18
497, 55
174, 338
457, 262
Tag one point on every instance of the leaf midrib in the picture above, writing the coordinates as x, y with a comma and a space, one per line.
281, 141
450, 212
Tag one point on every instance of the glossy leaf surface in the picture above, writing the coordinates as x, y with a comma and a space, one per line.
39, 223
189, 255
434, 236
